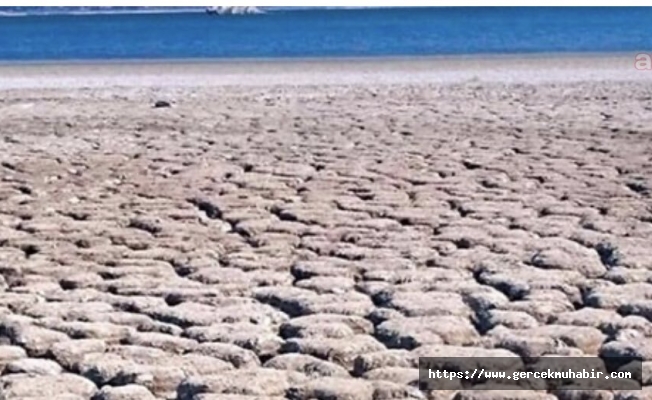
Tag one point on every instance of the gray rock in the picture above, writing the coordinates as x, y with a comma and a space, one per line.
401, 375
306, 364
168, 343
69, 353
633, 347
21, 386
10, 353
425, 304
408, 333
33, 366
332, 388
258, 338
502, 395
239, 357
35, 340
127, 392
340, 351
315, 323
572, 257
384, 359
509, 319
253, 382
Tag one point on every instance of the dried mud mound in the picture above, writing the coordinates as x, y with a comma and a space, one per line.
312, 243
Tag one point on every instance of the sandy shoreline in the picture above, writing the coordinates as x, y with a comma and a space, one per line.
516, 69
308, 231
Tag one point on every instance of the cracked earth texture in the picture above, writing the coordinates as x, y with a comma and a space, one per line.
313, 242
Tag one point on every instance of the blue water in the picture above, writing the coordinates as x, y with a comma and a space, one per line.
326, 33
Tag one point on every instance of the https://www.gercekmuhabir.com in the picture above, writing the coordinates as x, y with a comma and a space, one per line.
505, 373
516, 375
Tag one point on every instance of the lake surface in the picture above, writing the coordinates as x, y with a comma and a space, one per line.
326, 33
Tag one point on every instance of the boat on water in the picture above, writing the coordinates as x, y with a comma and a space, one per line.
226, 10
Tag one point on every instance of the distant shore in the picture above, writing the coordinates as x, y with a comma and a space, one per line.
528, 68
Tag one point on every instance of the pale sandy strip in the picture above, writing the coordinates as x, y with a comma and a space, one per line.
517, 69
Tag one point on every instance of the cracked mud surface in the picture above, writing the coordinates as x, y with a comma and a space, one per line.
312, 243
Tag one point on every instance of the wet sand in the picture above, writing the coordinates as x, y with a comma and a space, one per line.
440, 70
